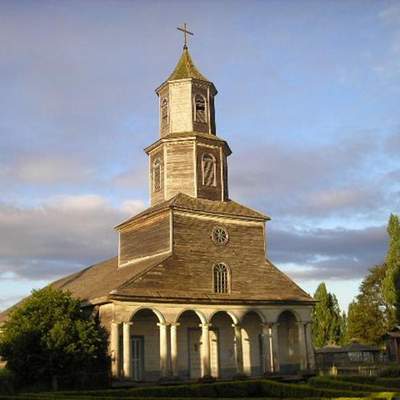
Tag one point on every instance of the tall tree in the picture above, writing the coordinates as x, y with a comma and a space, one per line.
391, 283
327, 319
369, 315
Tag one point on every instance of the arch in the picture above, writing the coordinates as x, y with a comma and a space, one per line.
233, 317
198, 313
200, 107
262, 317
289, 310
208, 169
158, 314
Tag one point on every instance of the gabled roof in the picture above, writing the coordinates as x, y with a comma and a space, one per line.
182, 201
186, 68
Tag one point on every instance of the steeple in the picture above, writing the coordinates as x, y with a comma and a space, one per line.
186, 100
188, 158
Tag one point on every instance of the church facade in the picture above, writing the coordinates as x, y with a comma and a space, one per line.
191, 293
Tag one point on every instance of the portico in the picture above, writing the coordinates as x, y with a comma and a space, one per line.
202, 341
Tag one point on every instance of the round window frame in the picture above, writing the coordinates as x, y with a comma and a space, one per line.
215, 240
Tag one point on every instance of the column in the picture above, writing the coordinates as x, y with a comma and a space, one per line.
267, 358
127, 329
163, 349
174, 349
115, 350
205, 356
303, 345
310, 347
274, 344
238, 348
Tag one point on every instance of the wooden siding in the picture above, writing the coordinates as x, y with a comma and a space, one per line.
179, 168
195, 254
180, 97
147, 238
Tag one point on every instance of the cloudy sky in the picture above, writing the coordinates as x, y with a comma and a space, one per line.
309, 95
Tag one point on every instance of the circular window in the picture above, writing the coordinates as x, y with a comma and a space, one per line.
220, 235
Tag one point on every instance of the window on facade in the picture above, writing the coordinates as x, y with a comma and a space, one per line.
156, 175
221, 278
208, 170
164, 110
200, 106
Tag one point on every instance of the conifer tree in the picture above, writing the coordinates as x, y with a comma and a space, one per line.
327, 319
391, 283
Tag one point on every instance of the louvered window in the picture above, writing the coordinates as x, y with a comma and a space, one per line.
209, 170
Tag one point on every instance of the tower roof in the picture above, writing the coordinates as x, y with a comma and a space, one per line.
186, 68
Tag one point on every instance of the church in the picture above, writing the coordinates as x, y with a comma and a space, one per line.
191, 293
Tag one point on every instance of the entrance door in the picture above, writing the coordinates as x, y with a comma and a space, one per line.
194, 340
214, 353
138, 357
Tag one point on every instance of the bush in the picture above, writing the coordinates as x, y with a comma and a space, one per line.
390, 383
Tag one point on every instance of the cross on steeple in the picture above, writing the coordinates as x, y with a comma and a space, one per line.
185, 33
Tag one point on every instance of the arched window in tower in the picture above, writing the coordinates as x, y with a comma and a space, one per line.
156, 175
164, 111
200, 107
208, 170
221, 278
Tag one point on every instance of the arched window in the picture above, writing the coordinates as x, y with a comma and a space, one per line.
156, 175
164, 110
221, 278
208, 170
200, 108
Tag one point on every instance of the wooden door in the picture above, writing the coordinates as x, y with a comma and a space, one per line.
194, 340
138, 358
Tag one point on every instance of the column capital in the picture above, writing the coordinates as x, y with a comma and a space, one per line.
129, 323
236, 325
175, 324
160, 324
205, 325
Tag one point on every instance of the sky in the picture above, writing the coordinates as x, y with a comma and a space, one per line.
309, 95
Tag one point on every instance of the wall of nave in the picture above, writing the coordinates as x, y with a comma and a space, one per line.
153, 340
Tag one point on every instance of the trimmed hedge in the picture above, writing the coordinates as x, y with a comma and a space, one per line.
393, 371
325, 382
390, 383
240, 389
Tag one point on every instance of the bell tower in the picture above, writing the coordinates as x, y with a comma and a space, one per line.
189, 157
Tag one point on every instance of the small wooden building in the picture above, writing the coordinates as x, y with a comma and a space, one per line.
392, 342
352, 355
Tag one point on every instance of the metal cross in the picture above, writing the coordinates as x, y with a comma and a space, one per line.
185, 33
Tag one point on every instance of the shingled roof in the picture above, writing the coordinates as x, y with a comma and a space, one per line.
186, 68
182, 201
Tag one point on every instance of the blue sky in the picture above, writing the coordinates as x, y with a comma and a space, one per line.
308, 99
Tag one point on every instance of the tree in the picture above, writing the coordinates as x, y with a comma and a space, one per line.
369, 315
327, 319
48, 335
391, 283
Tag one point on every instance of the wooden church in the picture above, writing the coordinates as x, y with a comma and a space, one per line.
191, 293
